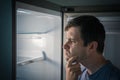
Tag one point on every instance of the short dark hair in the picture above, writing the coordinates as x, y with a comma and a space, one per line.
91, 29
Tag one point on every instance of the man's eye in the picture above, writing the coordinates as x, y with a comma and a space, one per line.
73, 41
70, 41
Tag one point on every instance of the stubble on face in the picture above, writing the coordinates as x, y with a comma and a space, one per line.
76, 48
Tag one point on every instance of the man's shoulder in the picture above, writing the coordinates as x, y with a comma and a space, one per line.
115, 70
114, 73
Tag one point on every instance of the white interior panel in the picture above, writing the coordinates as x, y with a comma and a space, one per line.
38, 46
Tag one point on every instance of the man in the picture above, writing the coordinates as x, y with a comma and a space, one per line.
83, 50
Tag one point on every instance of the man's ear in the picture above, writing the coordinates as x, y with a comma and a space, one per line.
92, 46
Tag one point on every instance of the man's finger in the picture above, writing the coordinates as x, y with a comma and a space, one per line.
71, 60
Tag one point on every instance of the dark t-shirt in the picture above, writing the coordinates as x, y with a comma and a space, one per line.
107, 72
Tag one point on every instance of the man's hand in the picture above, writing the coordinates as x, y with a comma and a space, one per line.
72, 70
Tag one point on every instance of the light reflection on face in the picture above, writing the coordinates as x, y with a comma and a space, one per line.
74, 45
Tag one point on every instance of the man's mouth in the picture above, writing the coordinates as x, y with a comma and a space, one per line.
68, 55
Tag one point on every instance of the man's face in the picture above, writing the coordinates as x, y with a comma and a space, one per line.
74, 45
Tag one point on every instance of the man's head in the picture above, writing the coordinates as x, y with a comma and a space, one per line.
89, 30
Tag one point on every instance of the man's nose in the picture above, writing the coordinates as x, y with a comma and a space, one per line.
66, 46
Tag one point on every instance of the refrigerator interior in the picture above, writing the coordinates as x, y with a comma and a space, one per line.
38, 37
